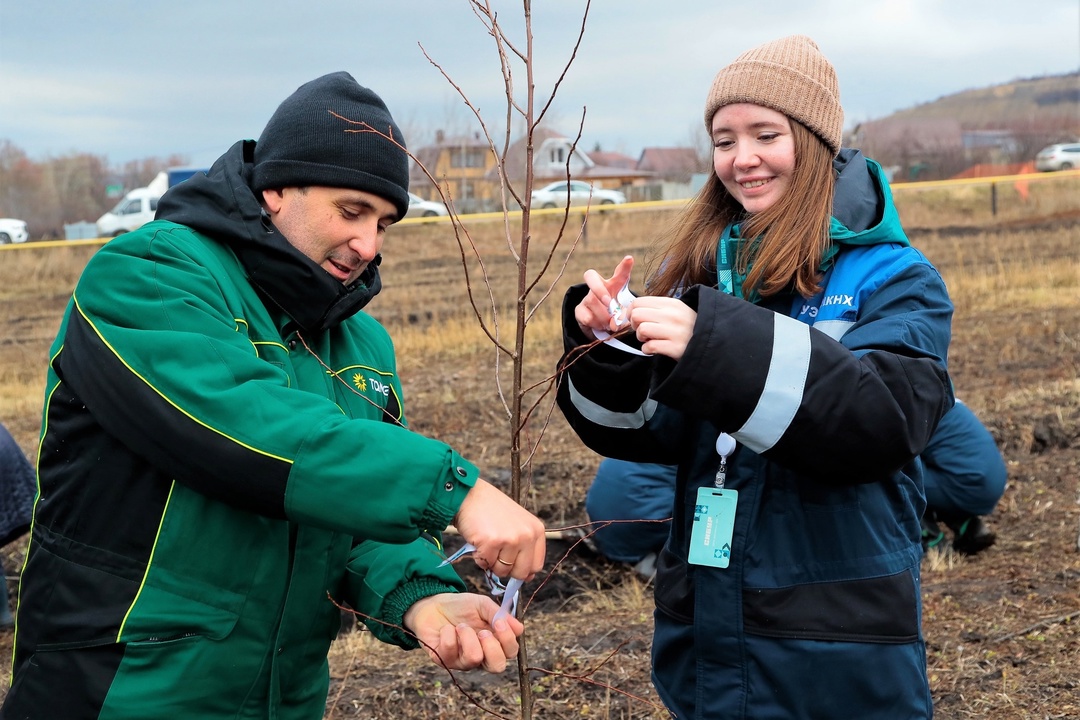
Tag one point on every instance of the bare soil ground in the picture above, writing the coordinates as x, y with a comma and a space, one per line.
1001, 627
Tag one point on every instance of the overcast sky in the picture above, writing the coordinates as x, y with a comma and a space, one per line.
131, 79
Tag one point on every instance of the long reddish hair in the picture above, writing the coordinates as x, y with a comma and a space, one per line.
792, 235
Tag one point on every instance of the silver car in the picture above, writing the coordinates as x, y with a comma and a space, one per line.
1063, 156
419, 207
579, 193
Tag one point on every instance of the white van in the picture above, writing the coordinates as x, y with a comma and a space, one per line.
137, 207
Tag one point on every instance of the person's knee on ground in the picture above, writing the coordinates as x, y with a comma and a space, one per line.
964, 478
626, 505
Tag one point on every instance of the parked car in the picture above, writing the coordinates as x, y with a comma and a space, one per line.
1063, 156
419, 207
580, 193
13, 231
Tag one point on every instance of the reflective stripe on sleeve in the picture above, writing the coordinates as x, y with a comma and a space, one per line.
835, 329
608, 418
784, 385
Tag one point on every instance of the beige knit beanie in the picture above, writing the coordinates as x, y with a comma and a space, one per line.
790, 76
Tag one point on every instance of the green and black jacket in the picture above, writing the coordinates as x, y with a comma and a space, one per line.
223, 453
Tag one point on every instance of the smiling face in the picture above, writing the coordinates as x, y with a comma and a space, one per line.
342, 230
753, 154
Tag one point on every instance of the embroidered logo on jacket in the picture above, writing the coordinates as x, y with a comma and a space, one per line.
847, 300
363, 383
838, 302
362, 389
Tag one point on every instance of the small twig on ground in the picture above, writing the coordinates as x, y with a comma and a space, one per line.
1044, 623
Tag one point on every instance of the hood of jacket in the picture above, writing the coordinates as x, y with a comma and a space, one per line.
863, 214
863, 210
222, 206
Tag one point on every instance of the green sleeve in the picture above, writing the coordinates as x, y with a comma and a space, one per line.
383, 582
158, 346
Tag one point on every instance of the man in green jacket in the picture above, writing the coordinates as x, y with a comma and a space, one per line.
224, 452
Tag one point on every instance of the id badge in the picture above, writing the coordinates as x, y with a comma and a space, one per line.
714, 524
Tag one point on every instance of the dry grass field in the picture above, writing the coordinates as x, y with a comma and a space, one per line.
1002, 627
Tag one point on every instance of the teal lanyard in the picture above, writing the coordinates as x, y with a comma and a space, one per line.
726, 279
729, 281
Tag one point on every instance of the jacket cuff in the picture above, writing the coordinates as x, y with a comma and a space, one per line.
397, 604
446, 497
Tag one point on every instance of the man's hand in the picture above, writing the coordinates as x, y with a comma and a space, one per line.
456, 630
509, 540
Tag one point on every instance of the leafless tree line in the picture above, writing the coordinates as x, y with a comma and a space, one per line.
56, 191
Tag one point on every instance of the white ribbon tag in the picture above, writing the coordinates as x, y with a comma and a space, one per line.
510, 591
617, 308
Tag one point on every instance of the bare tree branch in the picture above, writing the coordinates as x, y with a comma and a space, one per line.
458, 227
1039, 625
433, 651
566, 68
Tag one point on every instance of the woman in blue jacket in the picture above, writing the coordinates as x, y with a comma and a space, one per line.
790, 358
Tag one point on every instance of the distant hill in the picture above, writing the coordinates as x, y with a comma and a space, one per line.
1002, 125
1041, 103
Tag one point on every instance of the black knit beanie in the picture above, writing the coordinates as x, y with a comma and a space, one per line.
332, 132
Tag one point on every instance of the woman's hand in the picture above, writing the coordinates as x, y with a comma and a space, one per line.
594, 311
664, 325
